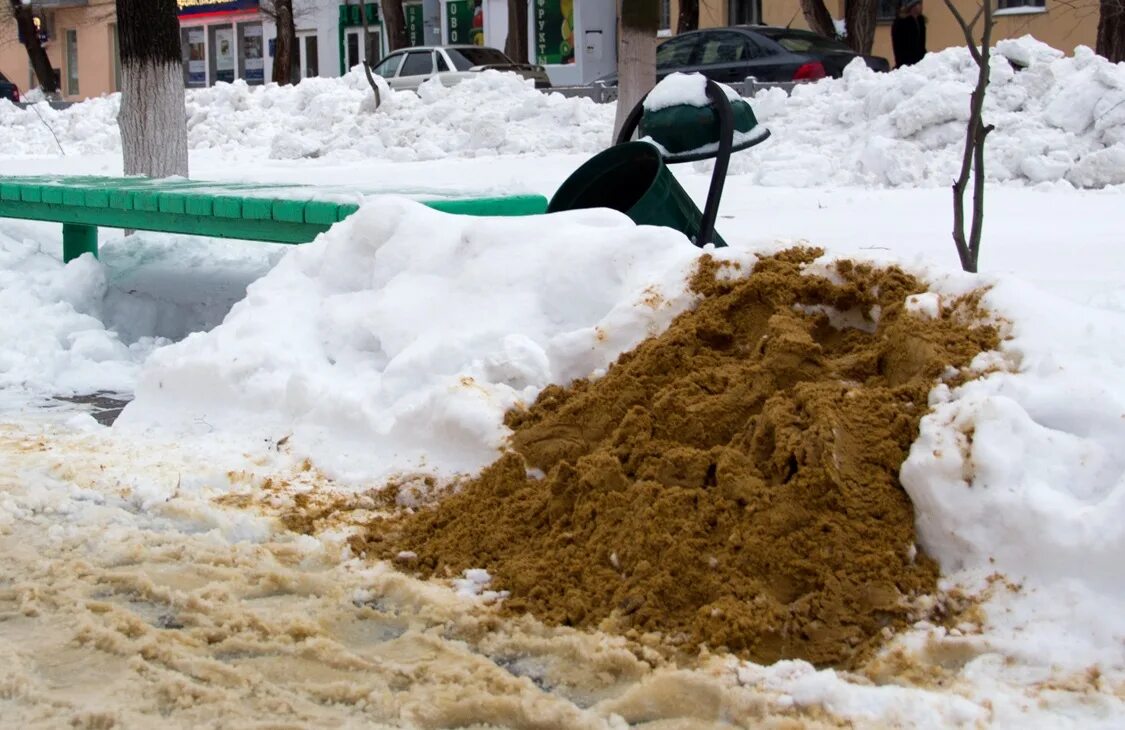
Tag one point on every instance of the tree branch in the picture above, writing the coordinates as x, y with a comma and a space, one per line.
966, 29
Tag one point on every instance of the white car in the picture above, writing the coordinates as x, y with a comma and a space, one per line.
407, 68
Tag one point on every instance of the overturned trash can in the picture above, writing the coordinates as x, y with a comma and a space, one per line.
685, 118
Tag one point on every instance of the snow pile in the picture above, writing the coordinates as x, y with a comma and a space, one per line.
52, 330
398, 339
1022, 471
679, 88
491, 113
1056, 119
86, 128
488, 114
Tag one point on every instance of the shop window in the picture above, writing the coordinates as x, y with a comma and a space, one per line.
353, 50
1015, 6
310, 55
193, 42
251, 55
886, 11
115, 54
222, 52
72, 62
373, 45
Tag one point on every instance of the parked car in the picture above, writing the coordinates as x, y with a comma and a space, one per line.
731, 54
8, 90
409, 67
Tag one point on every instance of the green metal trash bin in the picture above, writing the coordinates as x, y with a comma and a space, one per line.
633, 179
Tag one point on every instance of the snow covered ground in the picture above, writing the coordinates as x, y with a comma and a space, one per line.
396, 341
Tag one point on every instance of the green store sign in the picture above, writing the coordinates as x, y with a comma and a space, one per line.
464, 22
554, 31
415, 24
350, 16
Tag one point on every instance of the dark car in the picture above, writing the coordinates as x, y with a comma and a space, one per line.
8, 90
730, 55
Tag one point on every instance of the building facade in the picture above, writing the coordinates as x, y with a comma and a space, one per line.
80, 37
1063, 24
576, 40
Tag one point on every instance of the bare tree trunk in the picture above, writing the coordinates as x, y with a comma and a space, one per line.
284, 59
516, 44
36, 54
975, 133
859, 17
636, 55
689, 16
153, 117
394, 21
1111, 30
818, 18
366, 63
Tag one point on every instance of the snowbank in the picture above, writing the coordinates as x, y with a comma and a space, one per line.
490, 114
399, 338
53, 332
1057, 119
1021, 473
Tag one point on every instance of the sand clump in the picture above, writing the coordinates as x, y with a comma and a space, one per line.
732, 482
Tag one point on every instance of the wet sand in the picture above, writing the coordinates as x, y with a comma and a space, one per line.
126, 600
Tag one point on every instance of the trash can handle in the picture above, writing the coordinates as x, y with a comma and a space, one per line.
722, 107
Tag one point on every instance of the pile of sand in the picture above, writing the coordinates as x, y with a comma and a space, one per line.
732, 482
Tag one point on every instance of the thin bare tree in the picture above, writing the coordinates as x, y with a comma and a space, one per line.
968, 249
689, 16
859, 17
818, 18
24, 16
859, 21
636, 55
394, 21
1111, 30
286, 61
153, 116
364, 61
516, 44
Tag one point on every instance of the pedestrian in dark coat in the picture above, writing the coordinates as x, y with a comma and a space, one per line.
908, 33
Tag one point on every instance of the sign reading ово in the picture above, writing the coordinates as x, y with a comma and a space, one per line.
464, 22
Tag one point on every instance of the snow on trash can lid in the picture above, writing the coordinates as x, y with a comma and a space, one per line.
680, 120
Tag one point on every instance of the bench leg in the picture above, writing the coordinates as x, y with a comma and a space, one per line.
79, 239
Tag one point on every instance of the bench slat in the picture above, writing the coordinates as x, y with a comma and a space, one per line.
227, 207
321, 212
258, 209
276, 213
251, 230
289, 211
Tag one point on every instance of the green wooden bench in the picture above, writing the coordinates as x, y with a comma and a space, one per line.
275, 213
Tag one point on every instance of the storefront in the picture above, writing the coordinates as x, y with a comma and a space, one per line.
354, 48
576, 40
222, 41
475, 22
